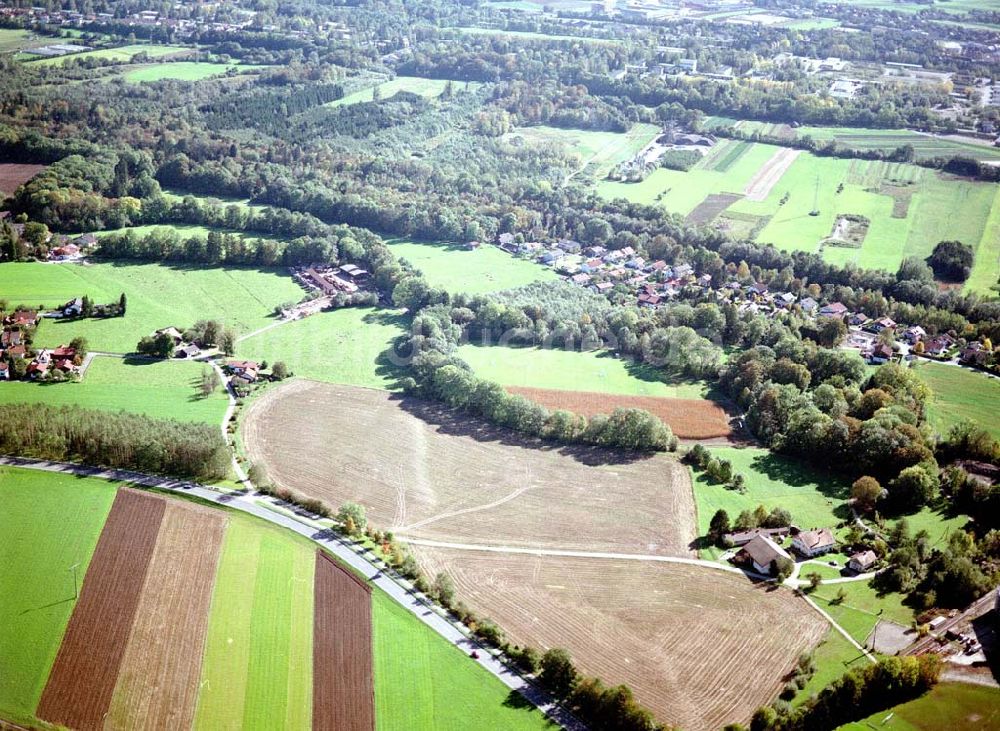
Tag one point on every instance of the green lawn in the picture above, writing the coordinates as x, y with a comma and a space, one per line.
599, 152
120, 54
834, 656
486, 269
49, 523
180, 70
424, 684
574, 371
947, 707
158, 296
343, 346
257, 668
16, 40
858, 612
413, 84
958, 394
813, 498
162, 389
938, 524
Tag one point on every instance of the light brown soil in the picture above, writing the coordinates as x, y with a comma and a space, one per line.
709, 209
700, 648
343, 688
13, 175
769, 174
687, 418
80, 686
429, 472
158, 681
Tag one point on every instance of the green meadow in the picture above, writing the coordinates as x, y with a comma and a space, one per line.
344, 346
946, 707
158, 296
121, 54
834, 656
49, 523
859, 610
422, 683
599, 152
162, 389
959, 394
180, 70
568, 370
412, 84
452, 267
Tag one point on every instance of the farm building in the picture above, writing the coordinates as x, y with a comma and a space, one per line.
741, 538
862, 561
762, 552
811, 543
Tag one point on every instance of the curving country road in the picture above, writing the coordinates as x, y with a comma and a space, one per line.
344, 550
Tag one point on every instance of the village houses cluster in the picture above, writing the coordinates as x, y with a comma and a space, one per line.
18, 360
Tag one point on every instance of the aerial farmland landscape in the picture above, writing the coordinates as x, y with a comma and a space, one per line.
488, 365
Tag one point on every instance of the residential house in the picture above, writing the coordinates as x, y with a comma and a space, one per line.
858, 319
23, 318
883, 323
85, 241
188, 350
834, 309
173, 332
761, 552
811, 543
862, 561
880, 354
64, 352
595, 251
4, 369
938, 346
73, 308
570, 247
581, 279
808, 304
603, 287
649, 300
10, 338
66, 251
975, 354
741, 538
17, 352
245, 368
914, 334
785, 299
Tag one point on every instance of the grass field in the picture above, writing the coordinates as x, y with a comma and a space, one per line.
180, 70
424, 683
12, 40
947, 707
158, 296
49, 523
162, 389
813, 498
343, 346
486, 269
834, 656
413, 84
575, 371
121, 54
858, 612
959, 394
599, 152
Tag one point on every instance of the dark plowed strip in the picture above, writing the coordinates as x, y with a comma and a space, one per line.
83, 677
343, 689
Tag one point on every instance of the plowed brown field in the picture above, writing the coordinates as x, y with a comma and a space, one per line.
430, 472
700, 648
343, 688
80, 686
687, 418
13, 175
158, 681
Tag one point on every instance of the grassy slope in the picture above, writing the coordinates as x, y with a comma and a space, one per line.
947, 707
573, 371
985, 273
158, 296
257, 669
960, 394
422, 683
773, 481
181, 70
834, 656
164, 389
121, 54
601, 150
487, 269
344, 346
858, 612
48, 523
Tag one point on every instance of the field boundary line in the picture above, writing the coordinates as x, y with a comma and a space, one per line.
841, 630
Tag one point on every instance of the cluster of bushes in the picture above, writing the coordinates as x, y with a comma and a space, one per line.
118, 440
804, 669
717, 470
856, 694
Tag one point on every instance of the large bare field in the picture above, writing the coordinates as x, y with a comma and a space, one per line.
13, 175
160, 672
699, 647
82, 681
687, 418
343, 685
429, 472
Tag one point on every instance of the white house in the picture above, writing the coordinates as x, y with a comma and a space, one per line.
811, 543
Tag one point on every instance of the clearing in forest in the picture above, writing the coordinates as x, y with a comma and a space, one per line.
684, 638
959, 394
13, 175
427, 472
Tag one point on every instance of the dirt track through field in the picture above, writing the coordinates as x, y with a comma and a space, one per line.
158, 681
769, 174
343, 687
430, 472
687, 418
698, 648
83, 677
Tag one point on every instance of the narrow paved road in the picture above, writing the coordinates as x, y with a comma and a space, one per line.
345, 551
